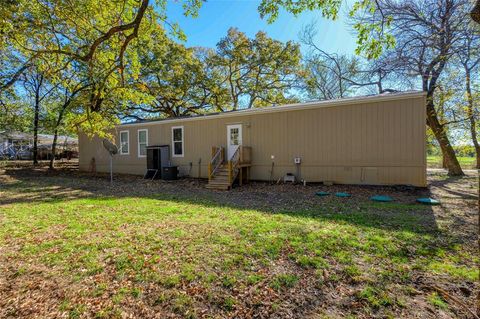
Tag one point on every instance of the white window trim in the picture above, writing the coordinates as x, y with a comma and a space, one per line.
138, 141
183, 142
128, 143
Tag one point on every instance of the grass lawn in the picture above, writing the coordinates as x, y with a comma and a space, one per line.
465, 162
76, 247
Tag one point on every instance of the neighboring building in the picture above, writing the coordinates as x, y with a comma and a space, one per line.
17, 145
377, 140
13, 142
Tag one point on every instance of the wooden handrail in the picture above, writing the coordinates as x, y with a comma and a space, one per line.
230, 172
216, 161
236, 156
233, 164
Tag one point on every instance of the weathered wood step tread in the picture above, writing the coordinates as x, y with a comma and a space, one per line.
218, 188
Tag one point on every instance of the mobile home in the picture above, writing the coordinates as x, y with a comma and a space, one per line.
372, 140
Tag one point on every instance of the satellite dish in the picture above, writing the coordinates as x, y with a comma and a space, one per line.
112, 150
110, 147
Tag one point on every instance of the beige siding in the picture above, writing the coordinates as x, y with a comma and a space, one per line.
371, 142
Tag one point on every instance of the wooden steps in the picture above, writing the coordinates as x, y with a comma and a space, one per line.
222, 173
220, 180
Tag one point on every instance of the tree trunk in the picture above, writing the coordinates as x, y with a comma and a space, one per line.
471, 117
35, 128
475, 14
38, 86
478, 237
477, 151
66, 103
449, 156
57, 125
54, 148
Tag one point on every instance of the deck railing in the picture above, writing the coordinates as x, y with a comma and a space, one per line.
240, 158
233, 164
218, 157
245, 155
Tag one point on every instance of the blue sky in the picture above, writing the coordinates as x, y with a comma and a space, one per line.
217, 16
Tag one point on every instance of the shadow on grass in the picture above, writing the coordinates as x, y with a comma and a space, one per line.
443, 184
38, 187
397, 255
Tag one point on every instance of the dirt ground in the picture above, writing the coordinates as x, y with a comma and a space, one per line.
458, 211
456, 194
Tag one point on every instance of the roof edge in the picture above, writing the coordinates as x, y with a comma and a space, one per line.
290, 107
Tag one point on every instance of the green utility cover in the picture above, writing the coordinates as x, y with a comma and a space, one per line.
342, 194
428, 201
381, 198
322, 193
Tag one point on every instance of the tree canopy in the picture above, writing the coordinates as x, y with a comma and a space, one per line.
256, 72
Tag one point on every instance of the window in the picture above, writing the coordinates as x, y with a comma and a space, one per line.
177, 141
142, 142
234, 132
124, 145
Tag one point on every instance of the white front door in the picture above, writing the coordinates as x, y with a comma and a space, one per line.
234, 139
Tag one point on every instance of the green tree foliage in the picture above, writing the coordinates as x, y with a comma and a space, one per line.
256, 72
174, 80
129, 66
271, 8
101, 40
15, 115
240, 73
